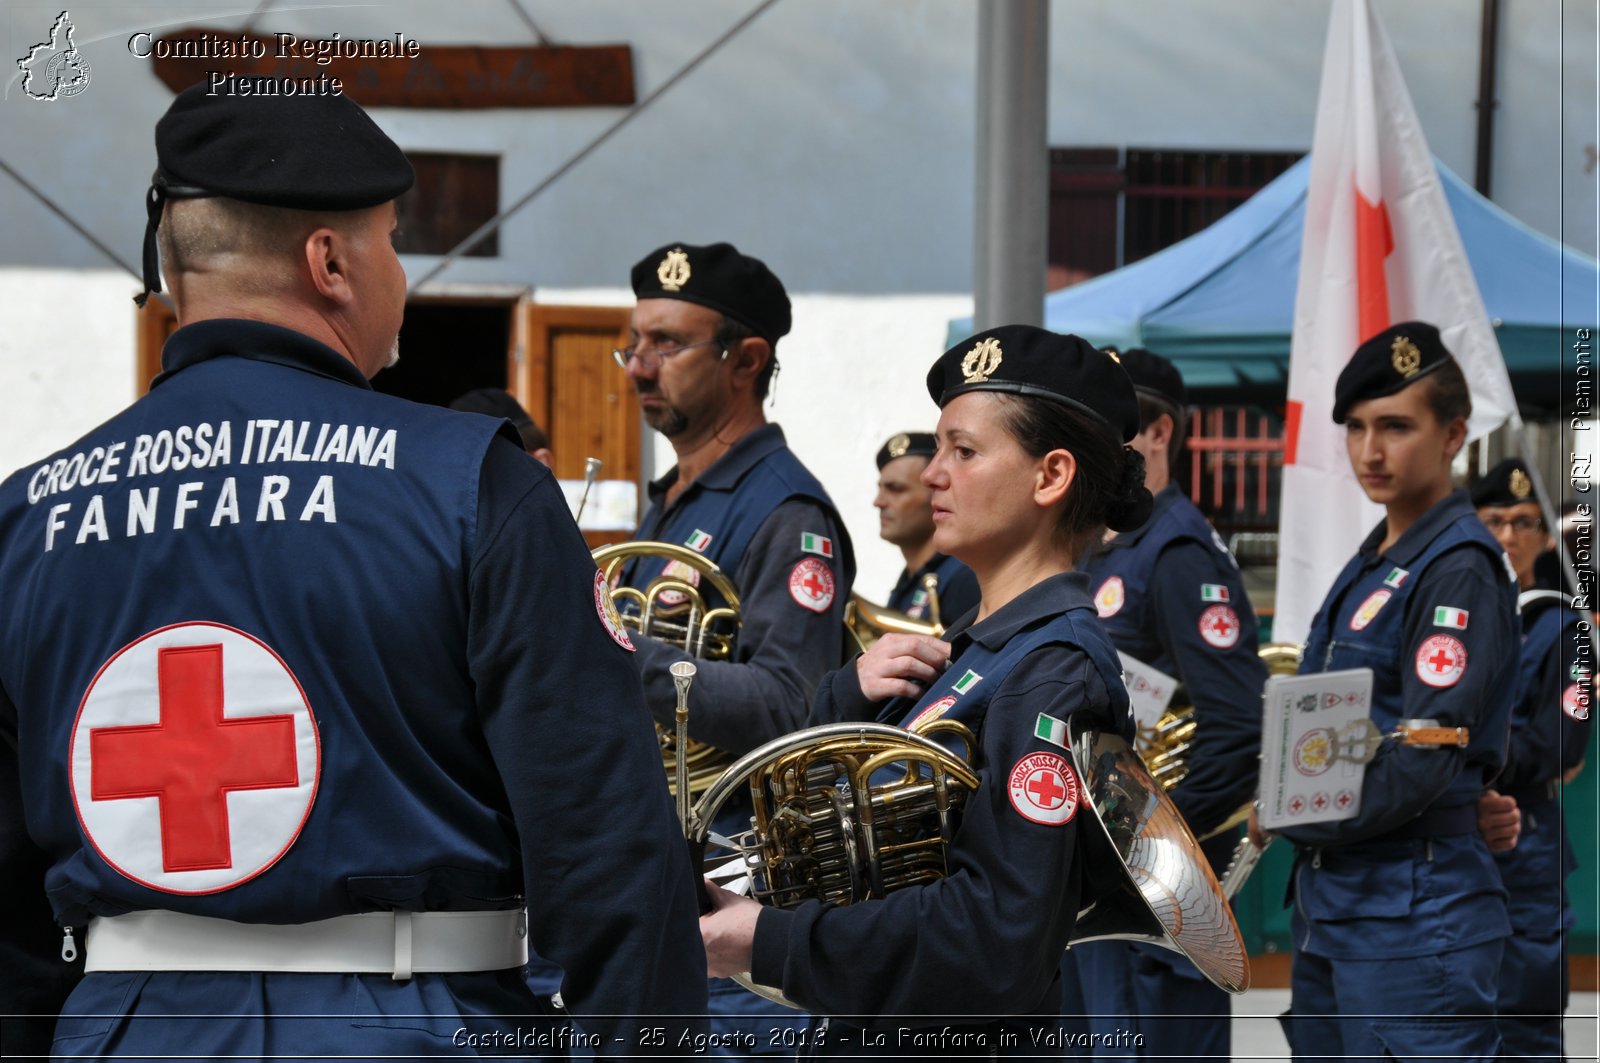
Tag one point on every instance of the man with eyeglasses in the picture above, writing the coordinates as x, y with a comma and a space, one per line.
702, 359
1549, 731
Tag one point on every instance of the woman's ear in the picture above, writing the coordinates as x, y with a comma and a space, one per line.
1056, 471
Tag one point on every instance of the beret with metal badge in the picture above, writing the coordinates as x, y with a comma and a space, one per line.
717, 276
1392, 360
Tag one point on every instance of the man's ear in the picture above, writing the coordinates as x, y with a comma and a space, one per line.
749, 357
327, 263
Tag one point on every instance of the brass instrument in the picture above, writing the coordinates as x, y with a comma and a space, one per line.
673, 609
868, 622
854, 811
1165, 748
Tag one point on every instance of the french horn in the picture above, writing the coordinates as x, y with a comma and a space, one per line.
868, 622
673, 608
854, 811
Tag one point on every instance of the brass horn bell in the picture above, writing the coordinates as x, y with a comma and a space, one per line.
854, 811
673, 608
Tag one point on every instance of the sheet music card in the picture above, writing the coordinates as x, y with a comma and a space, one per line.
1315, 742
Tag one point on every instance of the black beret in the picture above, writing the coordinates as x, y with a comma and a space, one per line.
1507, 484
263, 143
497, 402
1394, 359
1025, 360
1154, 375
719, 277
903, 444
308, 152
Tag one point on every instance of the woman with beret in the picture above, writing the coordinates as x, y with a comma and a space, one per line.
1031, 467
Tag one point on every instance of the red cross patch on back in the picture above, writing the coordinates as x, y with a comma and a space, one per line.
194, 759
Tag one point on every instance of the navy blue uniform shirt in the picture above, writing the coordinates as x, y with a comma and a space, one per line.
987, 939
955, 585
1433, 617
374, 623
1170, 595
770, 526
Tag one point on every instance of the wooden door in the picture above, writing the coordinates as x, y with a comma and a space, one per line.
563, 374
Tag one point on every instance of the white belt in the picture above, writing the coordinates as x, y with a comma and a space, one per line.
396, 943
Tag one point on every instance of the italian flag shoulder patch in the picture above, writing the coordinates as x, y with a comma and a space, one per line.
1450, 616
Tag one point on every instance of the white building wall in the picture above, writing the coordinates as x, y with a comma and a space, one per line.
832, 138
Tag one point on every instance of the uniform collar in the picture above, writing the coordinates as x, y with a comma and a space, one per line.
257, 341
931, 565
1429, 527
1165, 499
1043, 601
726, 472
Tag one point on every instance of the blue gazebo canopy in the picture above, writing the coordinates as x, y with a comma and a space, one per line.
1221, 303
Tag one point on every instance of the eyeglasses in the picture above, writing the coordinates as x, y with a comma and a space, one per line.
1523, 525
651, 359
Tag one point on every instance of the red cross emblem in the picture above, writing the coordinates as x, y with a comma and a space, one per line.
194, 759
811, 585
1044, 789
1344, 799
1319, 802
1219, 626
1441, 659
1297, 805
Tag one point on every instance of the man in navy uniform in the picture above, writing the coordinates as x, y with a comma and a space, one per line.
1549, 730
1171, 596
311, 692
1399, 915
905, 518
702, 356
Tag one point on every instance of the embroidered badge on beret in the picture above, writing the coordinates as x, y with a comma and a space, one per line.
1441, 660
1521, 486
1219, 626
608, 613
1405, 356
898, 446
811, 585
1109, 598
981, 362
1044, 789
674, 271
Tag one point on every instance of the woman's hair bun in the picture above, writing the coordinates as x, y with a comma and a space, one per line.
1131, 506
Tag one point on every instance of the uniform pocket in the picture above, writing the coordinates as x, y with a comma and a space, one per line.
1463, 1040
1344, 888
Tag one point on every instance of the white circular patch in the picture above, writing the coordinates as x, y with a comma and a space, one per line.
194, 759
1575, 702
1109, 598
1314, 752
811, 585
608, 613
932, 712
1440, 660
1369, 609
671, 597
1219, 626
1044, 789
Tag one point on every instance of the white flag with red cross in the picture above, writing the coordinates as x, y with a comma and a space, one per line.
1380, 246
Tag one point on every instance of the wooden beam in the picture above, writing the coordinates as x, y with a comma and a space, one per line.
397, 72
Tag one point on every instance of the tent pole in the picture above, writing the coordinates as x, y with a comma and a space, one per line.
1012, 209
